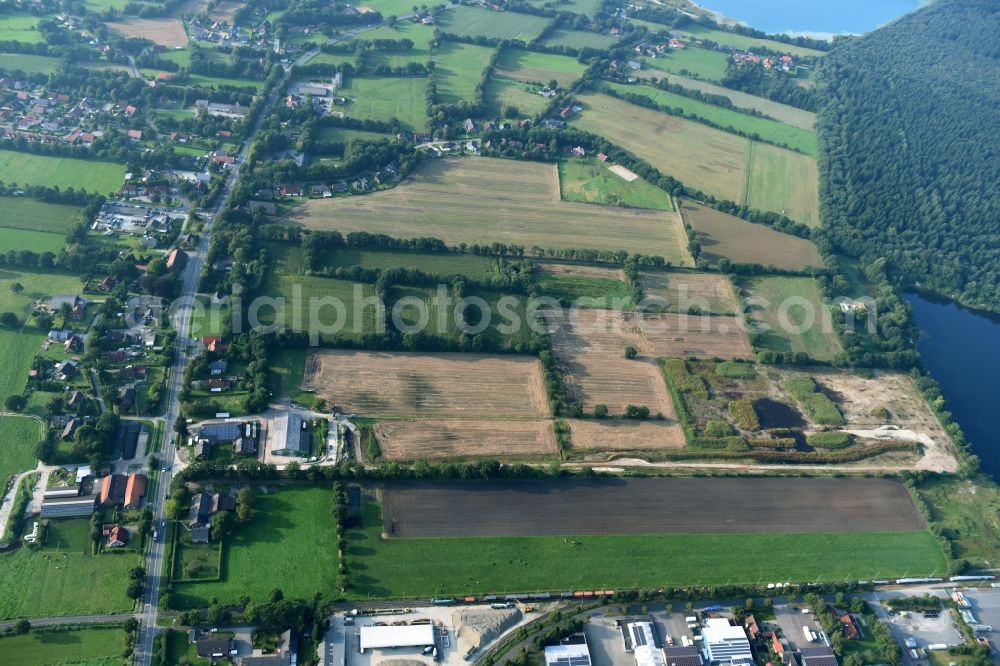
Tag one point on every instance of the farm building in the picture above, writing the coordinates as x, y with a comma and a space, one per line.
200, 512
135, 488
288, 437
572, 652
64, 507
726, 643
112, 489
241, 434
391, 637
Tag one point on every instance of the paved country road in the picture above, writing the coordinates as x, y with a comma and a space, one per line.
181, 321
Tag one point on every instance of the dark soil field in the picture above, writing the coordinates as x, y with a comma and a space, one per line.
647, 506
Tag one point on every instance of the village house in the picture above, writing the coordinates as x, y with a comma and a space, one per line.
176, 260
116, 534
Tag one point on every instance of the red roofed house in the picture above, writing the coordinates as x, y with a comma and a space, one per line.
213, 343
602, 157
217, 385
134, 490
112, 490
849, 627
776, 643
117, 536
176, 260
135, 135
129, 110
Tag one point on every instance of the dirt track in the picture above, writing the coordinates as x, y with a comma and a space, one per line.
648, 506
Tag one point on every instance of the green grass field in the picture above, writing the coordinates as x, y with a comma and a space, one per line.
218, 82
90, 647
420, 35
701, 157
805, 120
569, 288
768, 130
479, 22
783, 181
724, 236
345, 135
389, 7
61, 172
18, 348
441, 313
504, 95
589, 180
713, 161
470, 265
291, 535
19, 28
25, 213
62, 578
34, 241
579, 39
458, 69
37, 286
584, 7
293, 310
530, 66
803, 328
385, 98
17, 351
744, 41
408, 568
19, 436
337, 58
289, 260
28, 63
966, 509
694, 62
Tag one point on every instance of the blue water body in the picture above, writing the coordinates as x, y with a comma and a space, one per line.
821, 17
961, 349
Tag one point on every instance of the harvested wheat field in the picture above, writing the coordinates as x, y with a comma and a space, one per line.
590, 350
486, 200
436, 439
704, 336
163, 31
709, 292
399, 384
614, 435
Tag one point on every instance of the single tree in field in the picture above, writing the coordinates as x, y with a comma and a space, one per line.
17, 287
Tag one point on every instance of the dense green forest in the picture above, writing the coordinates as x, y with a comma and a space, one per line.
910, 144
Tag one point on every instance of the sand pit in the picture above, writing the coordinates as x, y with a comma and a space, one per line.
623, 173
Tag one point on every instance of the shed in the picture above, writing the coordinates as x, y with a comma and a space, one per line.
387, 638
